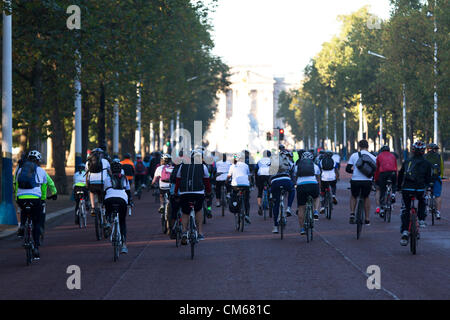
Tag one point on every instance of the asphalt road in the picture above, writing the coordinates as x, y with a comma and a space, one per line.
228, 264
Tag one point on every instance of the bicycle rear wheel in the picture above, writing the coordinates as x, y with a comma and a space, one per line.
98, 224
433, 213
413, 234
177, 234
116, 241
28, 244
192, 237
359, 221
223, 203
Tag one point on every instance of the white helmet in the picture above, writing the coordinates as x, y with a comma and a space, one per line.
307, 155
237, 156
34, 155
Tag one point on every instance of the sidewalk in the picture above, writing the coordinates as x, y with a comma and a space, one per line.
54, 209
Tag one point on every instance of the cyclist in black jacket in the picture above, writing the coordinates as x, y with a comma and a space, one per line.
414, 178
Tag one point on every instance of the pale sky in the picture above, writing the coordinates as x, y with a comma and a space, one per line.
284, 34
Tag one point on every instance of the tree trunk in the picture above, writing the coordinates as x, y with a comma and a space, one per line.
101, 118
59, 150
37, 87
85, 121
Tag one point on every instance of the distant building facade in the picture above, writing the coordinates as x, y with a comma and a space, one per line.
247, 111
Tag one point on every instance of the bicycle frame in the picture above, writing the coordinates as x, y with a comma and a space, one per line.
192, 232
115, 237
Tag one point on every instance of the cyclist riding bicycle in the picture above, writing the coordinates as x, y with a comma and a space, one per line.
437, 163
139, 174
386, 170
222, 169
282, 179
79, 184
117, 192
307, 173
162, 174
262, 176
362, 165
128, 168
414, 178
96, 174
328, 176
193, 183
29, 185
239, 174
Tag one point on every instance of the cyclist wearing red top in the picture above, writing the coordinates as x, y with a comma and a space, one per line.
386, 170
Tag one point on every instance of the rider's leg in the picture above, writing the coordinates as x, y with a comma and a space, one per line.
405, 214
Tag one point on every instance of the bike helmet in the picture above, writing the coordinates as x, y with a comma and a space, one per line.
267, 153
237, 156
99, 150
127, 156
166, 157
81, 166
281, 147
433, 146
307, 155
138, 156
418, 147
385, 148
34, 156
116, 167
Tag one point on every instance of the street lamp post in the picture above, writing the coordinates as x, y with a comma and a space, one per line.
405, 151
78, 130
7, 212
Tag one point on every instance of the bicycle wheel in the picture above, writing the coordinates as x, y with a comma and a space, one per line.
242, 223
359, 221
433, 213
28, 244
177, 234
80, 214
223, 203
98, 224
192, 236
84, 213
265, 205
413, 235
116, 241
163, 223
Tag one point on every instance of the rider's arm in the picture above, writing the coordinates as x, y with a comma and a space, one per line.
51, 185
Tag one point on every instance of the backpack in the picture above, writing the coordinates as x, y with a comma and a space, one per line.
327, 163
235, 205
95, 163
140, 167
284, 163
305, 168
191, 178
366, 165
27, 176
165, 173
117, 181
410, 173
435, 160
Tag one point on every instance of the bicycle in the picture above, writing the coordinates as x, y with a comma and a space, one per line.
240, 217
431, 205
413, 227
308, 224
193, 231
282, 220
387, 206
165, 214
116, 237
28, 241
99, 219
328, 203
80, 214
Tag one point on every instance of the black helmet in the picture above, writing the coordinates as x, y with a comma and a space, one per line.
267, 153
81, 166
432, 146
127, 156
116, 167
385, 148
281, 147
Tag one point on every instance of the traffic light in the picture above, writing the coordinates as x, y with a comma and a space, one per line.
281, 134
269, 136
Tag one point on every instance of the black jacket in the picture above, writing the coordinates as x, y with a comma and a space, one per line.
421, 169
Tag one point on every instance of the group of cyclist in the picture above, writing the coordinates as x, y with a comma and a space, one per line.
189, 182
